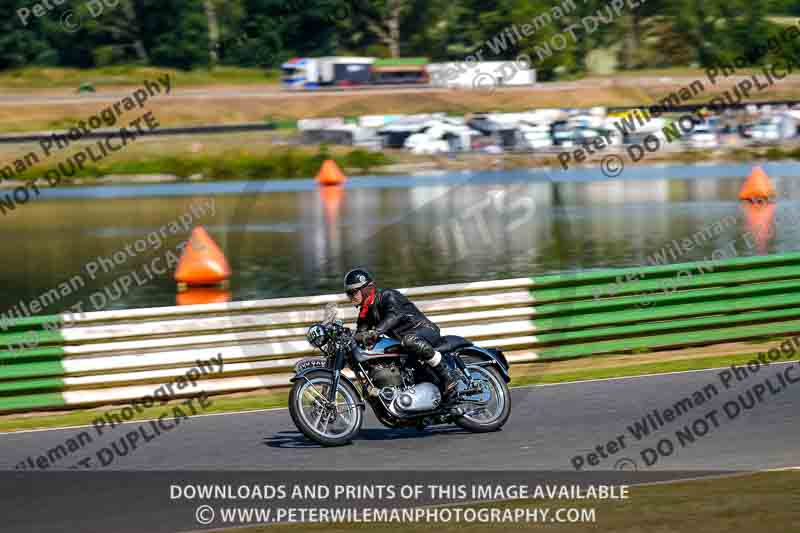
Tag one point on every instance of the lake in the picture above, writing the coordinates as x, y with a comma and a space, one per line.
288, 238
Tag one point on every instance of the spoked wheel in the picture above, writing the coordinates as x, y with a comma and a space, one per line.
488, 409
316, 418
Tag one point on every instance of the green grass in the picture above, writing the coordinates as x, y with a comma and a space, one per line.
282, 123
760, 502
666, 72
681, 365
281, 163
123, 75
277, 398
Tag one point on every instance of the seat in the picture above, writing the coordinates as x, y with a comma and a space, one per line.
451, 343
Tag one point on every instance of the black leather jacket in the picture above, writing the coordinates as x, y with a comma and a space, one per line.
393, 315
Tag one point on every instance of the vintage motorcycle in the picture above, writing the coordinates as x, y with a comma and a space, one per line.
328, 407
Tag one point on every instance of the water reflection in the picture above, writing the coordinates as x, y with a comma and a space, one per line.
203, 295
760, 223
301, 241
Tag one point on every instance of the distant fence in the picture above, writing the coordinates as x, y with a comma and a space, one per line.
118, 356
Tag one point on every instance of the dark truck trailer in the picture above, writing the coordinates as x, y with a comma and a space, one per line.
347, 74
345, 70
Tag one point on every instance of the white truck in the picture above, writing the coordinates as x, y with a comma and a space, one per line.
308, 73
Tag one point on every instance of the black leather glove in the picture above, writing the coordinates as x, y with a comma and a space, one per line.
366, 337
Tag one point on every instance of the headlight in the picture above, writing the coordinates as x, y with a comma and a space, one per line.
317, 336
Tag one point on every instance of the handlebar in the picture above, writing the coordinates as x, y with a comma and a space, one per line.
339, 329
340, 337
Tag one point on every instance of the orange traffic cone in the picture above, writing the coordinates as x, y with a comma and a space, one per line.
202, 262
757, 186
203, 295
330, 174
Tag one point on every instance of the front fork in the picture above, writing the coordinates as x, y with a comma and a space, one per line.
338, 365
329, 402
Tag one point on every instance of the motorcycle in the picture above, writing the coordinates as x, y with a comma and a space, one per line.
328, 407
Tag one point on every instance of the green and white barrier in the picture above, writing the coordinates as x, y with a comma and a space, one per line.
119, 356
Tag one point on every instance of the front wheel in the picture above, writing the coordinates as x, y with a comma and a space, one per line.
329, 425
489, 409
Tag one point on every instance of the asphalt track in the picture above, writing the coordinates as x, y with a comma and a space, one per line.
549, 425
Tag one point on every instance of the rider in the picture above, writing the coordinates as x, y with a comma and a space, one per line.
388, 312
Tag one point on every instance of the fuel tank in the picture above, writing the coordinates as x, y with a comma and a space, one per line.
384, 348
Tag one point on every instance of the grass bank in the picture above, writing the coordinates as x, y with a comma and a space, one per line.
130, 75
764, 501
522, 375
243, 163
266, 155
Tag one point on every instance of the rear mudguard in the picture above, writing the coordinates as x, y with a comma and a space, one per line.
487, 356
305, 373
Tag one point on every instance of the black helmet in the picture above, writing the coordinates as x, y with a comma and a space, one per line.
356, 279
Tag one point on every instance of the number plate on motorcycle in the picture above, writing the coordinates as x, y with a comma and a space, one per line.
305, 364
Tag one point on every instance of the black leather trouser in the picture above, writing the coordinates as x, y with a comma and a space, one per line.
421, 342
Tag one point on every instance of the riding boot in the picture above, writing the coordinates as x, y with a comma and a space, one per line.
448, 381
421, 347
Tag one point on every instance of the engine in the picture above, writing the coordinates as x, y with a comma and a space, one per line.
386, 374
395, 386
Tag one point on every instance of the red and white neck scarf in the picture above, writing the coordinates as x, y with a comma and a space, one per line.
366, 303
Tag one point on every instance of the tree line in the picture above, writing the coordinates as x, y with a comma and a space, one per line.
189, 34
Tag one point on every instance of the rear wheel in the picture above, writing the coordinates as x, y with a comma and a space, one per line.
329, 425
489, 409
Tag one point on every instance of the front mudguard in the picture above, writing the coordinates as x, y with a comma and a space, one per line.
486, 356
305, 374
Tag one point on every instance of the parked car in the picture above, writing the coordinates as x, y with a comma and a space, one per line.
746, 130
774, 129
535, 135
703, 136
441, 135
562, 134
585, 135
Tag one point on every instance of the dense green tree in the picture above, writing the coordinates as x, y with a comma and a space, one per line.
384, 18
264, 33
267, 32
174, 32
22, 45
784, 7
